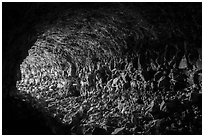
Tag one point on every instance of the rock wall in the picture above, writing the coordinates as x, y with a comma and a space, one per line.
78, 52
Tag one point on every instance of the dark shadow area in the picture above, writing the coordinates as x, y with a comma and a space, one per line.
20, 31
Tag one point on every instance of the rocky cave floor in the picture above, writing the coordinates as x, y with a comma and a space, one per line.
92, 68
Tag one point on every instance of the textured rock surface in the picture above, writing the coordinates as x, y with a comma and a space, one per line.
71, 49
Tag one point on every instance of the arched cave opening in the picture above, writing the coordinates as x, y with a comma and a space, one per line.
102, 68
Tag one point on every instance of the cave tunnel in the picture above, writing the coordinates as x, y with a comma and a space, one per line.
102, 68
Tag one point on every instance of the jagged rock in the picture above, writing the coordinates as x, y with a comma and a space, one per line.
84, 39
